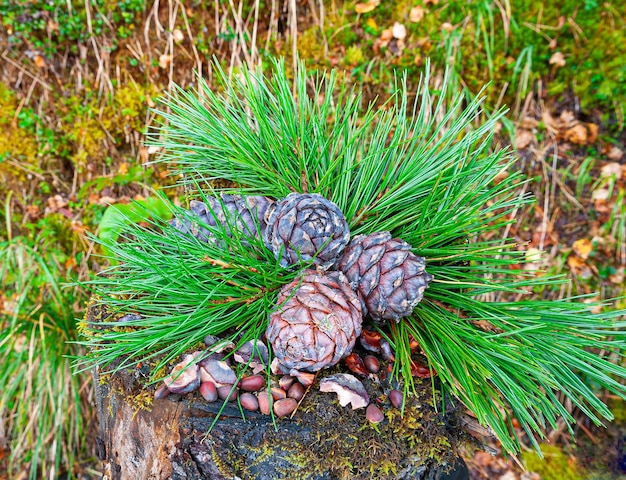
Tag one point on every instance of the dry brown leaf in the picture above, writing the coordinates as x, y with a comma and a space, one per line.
575, 262
610, 170
40, 62
577, 135
528, 123
592, 131
557, 59
178, 35
618, 277
164, 61
416, 14
107, 200
386, 35
366, 7
523, 139
614, 153
582, 248
567, 117
55, 203
600, 194
398, 31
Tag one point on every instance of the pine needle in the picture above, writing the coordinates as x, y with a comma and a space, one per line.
425, 173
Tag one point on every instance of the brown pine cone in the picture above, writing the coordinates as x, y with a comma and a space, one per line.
316, 322
388, 277
304, 226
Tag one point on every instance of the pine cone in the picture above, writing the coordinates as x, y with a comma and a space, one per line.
247, 214
303, 225
316, 325
388, 277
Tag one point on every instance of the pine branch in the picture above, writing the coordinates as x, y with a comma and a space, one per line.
420, 171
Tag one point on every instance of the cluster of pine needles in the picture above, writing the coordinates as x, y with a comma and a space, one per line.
427, 171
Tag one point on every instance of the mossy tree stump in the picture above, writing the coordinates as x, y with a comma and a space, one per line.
178, 437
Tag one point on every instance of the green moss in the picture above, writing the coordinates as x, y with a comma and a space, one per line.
556, 464
17, 140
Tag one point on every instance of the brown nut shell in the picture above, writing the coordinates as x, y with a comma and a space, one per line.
252, 383
208, 391
284, 407
374, 414
397, 398
296, 391
266, 402
249, 401
372, 363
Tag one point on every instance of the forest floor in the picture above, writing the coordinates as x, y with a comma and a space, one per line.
78, 81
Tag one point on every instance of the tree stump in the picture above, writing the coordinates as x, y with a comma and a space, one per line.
185, 437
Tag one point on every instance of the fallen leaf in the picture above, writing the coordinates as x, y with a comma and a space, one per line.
398, 31
534, 255
610, 170
592, 130
523, 139
600, 194
367, 6
106, 200
178, 35
557, 59
577, 135
416, 14
567, 117
164, 61
614, 153
55, 203
528, 123
617, 278
447, 26
582, 248
578, 266
386, 35
123, 168
40, 62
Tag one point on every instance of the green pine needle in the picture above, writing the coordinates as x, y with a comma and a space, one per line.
424, 172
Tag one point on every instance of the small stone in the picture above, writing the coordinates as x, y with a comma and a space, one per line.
249, 401
397, 398
227, 393
296, 391
284, 407
374, 414
252, 383
265, 402
208, 391
372, 363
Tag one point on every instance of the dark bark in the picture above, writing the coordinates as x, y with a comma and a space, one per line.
173, 438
